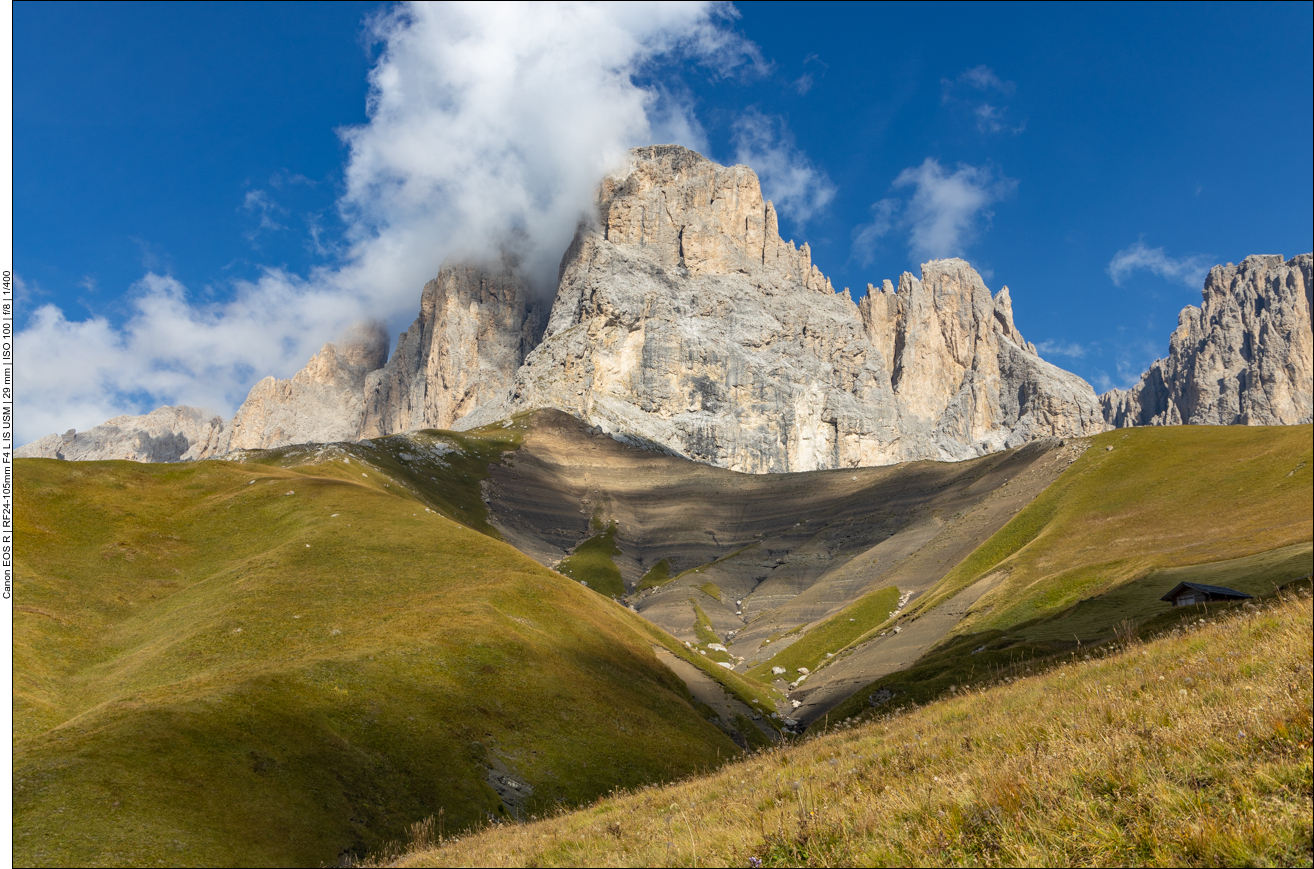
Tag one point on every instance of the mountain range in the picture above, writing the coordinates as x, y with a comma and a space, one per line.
683, 322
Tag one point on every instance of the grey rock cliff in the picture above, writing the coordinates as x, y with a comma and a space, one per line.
474, 330
1245, 357
323, 402
682, 319
167, 434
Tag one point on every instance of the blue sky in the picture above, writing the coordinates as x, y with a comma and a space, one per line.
205, 193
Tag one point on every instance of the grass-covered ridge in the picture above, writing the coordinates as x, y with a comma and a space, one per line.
1194, 749
281, 660
657, 575
1137, 501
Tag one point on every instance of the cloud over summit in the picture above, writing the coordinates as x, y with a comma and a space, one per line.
945, 213
488, 129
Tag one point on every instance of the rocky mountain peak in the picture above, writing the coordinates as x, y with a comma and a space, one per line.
1246, 356
683, 319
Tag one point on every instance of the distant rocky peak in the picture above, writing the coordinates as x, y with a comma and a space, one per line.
699, 216
1246, 356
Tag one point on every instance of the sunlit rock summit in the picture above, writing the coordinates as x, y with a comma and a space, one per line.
683, 321
1246, 357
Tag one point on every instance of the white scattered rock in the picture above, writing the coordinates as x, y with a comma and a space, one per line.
795, 703
804, 670
717, 647
778, 671
725, 664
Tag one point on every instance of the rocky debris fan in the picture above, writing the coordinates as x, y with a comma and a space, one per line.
1245, 357
166, 434
683, 320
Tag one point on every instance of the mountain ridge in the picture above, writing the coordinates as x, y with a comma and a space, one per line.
682, 320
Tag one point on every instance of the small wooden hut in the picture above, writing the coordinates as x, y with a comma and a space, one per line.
1190, 593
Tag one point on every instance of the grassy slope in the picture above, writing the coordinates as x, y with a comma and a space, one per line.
657, 575
592, 562
1100, 547
1163, 497
209, 670
1191, 750
858, 618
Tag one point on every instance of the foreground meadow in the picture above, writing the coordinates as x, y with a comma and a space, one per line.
1191, 749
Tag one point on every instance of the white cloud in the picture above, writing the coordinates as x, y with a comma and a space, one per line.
1101, 381
866, 236
796, 187
76, 374
489, 128
1188, 270
948, 210
983, 78
1059, 348
260, 204
966, 91
993, 119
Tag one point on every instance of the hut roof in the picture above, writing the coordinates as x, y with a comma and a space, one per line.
1216, 590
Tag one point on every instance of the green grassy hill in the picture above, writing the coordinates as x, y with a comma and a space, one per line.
1138, 512
1192, 750
1137, 501
296, 656
280, 661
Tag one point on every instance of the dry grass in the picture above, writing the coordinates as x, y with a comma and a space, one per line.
1190, 750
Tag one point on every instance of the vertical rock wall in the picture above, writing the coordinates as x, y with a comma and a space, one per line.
682, 319
1246, 357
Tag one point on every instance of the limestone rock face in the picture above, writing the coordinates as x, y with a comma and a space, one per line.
1246, 357
167, 434
683, 320
474, 330
323, 402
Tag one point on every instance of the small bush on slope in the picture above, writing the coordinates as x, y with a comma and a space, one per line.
1193, 749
